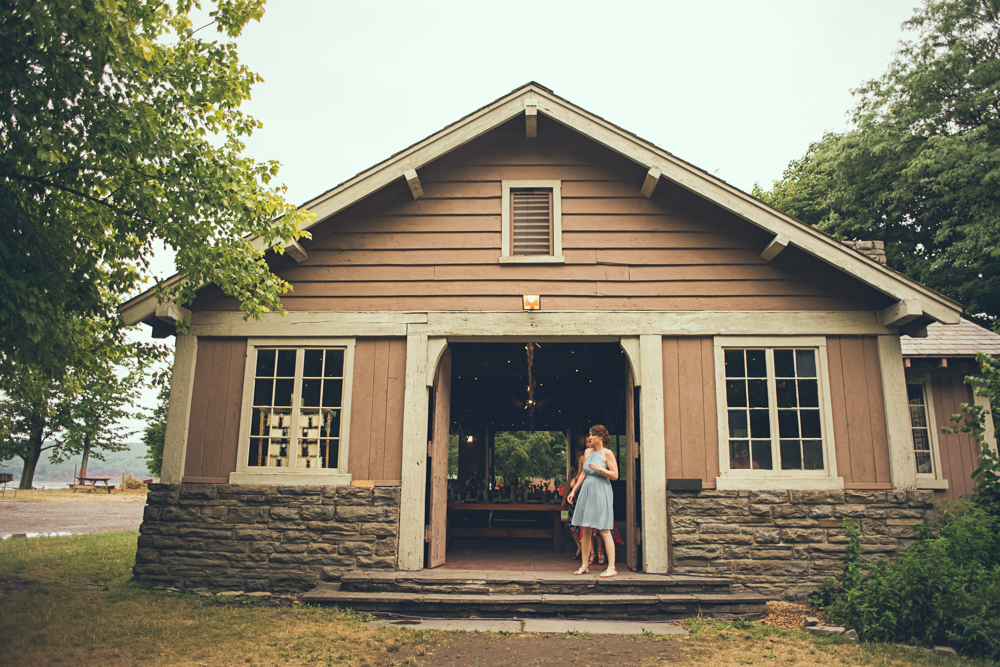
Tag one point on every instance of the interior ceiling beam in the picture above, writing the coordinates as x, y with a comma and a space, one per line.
531, 118
649, 184
777, 244
413, 181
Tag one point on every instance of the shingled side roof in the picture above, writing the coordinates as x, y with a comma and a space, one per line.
955, 340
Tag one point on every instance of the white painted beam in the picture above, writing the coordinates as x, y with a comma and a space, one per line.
653, 454
170, 312
777, 244
902, 463
179, 409
413, 181
414, 476
631, 346
900, 313
649, 185
531, 118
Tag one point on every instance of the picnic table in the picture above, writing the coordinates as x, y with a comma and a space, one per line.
88, 484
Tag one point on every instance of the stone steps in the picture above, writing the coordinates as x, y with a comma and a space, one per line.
615, 606
457, 593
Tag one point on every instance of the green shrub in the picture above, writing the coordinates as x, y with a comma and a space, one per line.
130, 482
943, 591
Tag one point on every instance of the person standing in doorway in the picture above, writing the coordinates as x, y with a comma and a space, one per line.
593, 508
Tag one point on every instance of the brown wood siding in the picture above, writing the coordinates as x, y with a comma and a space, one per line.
216, 404
859, 429
623, 251
376, 438
691, 426
959, 451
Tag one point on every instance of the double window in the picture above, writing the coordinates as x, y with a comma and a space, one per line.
531, 222
774, 417
296, 400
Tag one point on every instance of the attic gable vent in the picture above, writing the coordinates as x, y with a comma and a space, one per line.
531, 221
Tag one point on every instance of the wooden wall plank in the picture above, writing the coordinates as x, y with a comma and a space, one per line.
710, 414
203, 387
393, 458
217, 401
838, 404
876, 410
859, 426
672, 381
380, 399
361, 409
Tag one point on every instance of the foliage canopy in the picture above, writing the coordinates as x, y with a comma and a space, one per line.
120, 126
921, 168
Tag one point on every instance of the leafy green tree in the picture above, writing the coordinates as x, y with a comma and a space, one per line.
920, 170
155, 433
519, 456
120, 126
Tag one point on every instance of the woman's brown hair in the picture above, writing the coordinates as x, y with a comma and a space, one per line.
601, 432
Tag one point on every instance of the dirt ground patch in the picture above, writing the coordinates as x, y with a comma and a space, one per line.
469, 649
30, 517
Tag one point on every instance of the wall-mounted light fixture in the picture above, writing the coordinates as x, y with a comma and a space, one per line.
468, 439
532, 302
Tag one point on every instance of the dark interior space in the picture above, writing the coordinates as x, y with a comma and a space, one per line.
526, 387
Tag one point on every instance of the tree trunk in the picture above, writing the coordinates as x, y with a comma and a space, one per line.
86, 458
35, 441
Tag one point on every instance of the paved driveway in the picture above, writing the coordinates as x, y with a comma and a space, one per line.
81, 516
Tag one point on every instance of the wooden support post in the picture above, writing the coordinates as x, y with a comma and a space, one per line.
179, 409
654, 463
900, 313
531, 118
649, 184
413, 181
902, 463
414, 482
777, 244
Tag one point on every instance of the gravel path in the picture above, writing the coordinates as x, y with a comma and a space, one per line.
81, 516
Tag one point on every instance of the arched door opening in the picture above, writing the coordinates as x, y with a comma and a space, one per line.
517, 413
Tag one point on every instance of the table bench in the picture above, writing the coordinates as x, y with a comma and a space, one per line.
554, 509
88, 484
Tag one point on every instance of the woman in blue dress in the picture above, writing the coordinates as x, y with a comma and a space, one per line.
592, 509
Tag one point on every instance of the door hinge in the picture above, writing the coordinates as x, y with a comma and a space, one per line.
427, 534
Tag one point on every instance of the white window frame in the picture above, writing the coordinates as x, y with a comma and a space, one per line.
927, 480
505, 241
247, 474
777, 478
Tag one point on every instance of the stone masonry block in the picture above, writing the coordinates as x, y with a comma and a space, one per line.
333, 528
301, 491
796, 523
816, 497
355, 548
896, 497
379, 529
254, 533
174, 513
150, 513
802, 535
385, 547
199, 492
772, 497
771, 552
731, 552
386, 495
248, 515
790, 511
377, 562
864, 497
920, 498
366, 514
709, 528
353, 495
766, 536
698, 552
214, 515
319, 513
713, 539
701, 505
284, 513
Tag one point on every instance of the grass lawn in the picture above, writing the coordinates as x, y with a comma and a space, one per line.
70, 600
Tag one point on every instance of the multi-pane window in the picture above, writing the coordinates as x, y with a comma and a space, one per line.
531, 221
773, 409
296, 408
920, 426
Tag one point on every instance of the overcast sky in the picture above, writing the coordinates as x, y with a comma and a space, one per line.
736, 87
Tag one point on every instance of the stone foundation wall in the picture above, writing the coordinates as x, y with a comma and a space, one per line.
784, 543
280, 539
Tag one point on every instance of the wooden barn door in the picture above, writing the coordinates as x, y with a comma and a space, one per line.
438, 452
633, 510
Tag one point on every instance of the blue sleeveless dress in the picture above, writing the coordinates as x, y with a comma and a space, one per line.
593, 507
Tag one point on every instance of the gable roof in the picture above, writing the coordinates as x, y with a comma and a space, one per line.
914, 302
962, 340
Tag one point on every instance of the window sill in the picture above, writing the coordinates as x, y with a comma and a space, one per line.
935, 484
771, 482
532, 259
291, 478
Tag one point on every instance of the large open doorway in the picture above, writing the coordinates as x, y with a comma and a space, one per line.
514, 417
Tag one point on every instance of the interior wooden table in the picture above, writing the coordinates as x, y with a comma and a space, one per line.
554, 509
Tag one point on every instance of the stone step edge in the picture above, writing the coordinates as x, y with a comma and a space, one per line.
373, 578
330, 595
